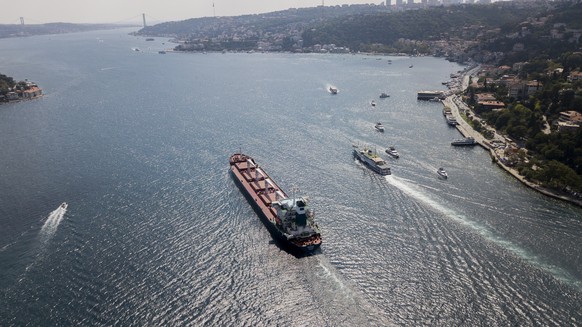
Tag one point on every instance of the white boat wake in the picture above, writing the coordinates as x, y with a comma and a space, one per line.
488, 234
51, 224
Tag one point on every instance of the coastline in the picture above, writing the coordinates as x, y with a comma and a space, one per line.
454, 101
21, 99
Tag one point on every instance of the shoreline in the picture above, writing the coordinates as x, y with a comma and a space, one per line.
453, 101
21, 99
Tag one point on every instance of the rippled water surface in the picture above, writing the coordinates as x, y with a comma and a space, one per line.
156, 233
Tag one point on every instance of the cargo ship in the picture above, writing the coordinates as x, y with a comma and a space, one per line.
290, 220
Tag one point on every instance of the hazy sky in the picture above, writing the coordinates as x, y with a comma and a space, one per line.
129, 11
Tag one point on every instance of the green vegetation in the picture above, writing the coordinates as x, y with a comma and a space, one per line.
384, 32
524, 120
6, 83
554, 156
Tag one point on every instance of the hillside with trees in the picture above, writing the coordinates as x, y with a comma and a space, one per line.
6, 83
360, 32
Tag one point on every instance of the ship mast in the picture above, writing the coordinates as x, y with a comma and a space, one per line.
293, 190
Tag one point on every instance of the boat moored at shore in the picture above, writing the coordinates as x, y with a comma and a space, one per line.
289, 219
468, 141
430, 95
451, 120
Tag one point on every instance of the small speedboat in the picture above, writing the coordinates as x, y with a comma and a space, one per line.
384, 95
392, 151
332, 90
64, 205
373, 103
442, 173
379, 127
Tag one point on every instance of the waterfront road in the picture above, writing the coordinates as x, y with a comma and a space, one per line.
496, 146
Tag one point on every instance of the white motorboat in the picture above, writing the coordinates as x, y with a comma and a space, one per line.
379, 127
442, 173
392, 151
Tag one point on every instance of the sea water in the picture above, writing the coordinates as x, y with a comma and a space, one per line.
156, 232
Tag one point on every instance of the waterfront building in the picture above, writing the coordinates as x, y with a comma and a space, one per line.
490, 105
571, 116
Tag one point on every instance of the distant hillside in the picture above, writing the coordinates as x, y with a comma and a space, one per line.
274, 22
547, 35
426, 24
485, 33
51, 28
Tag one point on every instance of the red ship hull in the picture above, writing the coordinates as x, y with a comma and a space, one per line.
260, 195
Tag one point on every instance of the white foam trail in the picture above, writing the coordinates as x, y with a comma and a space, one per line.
52, 223
333, 276
483, 231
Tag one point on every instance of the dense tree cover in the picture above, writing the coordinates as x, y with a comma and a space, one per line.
554, 156
536, 37
568, 13
524, 120
557, 155
273, 22
6, 82
360, 31
553, 174
359, 27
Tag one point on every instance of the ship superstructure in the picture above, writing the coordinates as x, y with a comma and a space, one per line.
372, 160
